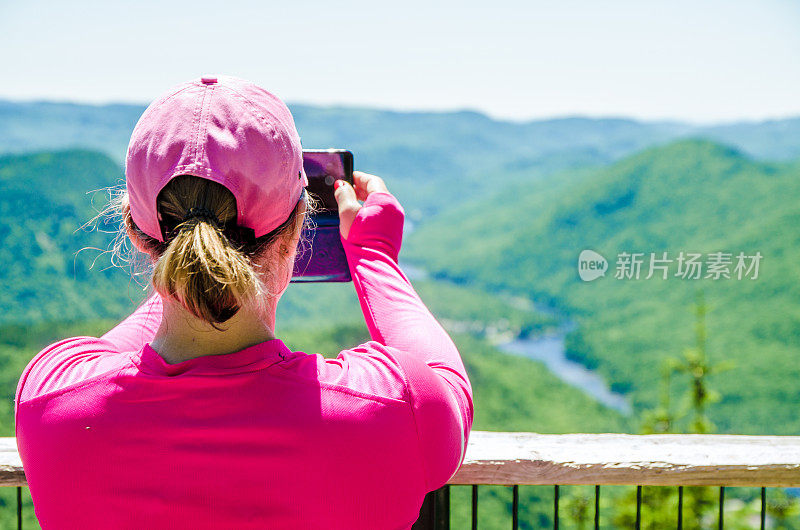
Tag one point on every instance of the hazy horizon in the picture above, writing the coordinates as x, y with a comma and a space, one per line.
677, 121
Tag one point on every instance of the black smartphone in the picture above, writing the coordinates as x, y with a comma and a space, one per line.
320, 255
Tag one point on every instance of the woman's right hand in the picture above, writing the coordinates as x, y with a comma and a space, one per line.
347, 197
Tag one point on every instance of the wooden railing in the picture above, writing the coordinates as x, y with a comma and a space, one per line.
656, 460
514, 459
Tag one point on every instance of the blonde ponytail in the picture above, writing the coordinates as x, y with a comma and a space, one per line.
199, 265
202, 270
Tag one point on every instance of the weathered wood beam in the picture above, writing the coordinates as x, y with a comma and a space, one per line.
508, 458
662, 460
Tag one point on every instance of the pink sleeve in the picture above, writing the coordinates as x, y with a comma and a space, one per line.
77, 359
438, 385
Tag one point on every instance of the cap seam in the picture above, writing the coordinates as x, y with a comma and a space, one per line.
199, 124
256, 111
204, 127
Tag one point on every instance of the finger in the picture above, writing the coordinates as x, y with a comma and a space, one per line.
367, 183
360, 181
348, 205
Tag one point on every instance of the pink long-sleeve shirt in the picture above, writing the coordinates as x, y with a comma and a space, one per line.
111, 436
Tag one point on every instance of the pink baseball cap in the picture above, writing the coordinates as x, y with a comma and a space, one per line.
224, 129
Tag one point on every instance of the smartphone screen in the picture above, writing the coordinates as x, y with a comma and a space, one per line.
324, 260
323, 168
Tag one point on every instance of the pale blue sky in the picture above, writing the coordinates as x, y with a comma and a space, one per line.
702, 61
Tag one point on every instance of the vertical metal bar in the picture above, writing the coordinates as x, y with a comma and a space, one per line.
474, 507
515, 508
597, 507
19, 507
680, 507
763, 507
555, 508
638, 507
721, 504
443, 508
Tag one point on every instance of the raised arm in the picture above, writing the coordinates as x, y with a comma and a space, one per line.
396, 317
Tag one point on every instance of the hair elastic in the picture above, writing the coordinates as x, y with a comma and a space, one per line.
201, 212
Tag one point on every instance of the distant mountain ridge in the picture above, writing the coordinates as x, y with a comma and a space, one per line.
432, 159
107, 128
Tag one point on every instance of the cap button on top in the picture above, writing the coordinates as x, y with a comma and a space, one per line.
208, 80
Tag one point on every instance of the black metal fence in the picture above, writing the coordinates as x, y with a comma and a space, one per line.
435, 511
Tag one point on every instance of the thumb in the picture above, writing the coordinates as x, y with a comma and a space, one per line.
349, 206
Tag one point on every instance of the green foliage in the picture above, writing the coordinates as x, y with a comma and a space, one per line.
8, 509
661, 501
695, 365
691, 196
48, 275
784, 511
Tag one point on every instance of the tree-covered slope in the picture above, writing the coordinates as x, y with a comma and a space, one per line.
690, 196
44, 200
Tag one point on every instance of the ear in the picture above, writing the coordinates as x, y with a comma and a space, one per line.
135, 241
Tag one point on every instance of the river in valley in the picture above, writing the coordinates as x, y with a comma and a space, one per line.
550, 350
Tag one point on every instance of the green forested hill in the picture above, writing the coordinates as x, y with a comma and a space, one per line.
44, 200
690, 196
